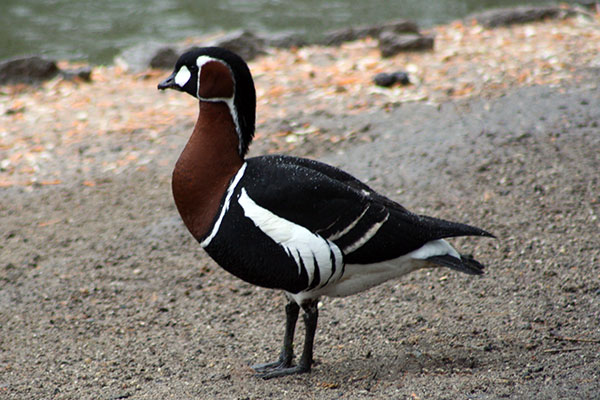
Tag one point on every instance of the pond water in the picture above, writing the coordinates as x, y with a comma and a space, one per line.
96, 30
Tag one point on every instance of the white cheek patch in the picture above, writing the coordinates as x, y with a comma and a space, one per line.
183, 76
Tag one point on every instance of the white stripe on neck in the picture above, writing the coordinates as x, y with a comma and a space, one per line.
225, 206
200, 61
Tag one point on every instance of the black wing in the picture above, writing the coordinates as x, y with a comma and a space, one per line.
365, 225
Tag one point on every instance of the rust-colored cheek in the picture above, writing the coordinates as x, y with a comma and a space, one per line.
215, 81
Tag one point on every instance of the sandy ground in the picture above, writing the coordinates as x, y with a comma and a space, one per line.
104, 294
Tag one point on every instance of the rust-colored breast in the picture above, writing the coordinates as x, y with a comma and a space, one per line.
205, 167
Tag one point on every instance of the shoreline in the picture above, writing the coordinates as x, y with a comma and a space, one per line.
260, 42
126, 41
467, 61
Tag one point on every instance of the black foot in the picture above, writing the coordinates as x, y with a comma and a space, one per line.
266, 367
283, 371
283, 366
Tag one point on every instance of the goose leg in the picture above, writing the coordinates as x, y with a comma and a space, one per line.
287, 351
311, 314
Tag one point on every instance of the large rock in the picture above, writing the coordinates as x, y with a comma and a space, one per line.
148, 55
284, 40
82, 74
164, 58
243, 42
391, 43
519, 15
31, 69
339, 36
250, 45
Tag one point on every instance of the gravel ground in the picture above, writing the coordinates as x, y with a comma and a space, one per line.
104, 294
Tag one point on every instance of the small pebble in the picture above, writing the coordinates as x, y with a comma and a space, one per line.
83, 73
386, 79
402, 77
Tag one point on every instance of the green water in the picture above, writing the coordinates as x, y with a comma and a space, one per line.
96, 30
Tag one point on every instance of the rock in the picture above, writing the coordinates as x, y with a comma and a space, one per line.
140, 57
164, 58
31, 69
587, 3
386, 79
339, 36
159, 55
519, 15
400, 26
284, 40
250, 45
402, 77
83, 73
243, 42
391, 43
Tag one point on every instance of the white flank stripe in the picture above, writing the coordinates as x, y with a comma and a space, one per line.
434, 248
341, 233
225, 207
368, 235
300, 243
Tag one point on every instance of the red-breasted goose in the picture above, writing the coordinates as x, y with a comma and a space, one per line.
290, 223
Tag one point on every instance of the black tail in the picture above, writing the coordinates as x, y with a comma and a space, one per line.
440, 228
466, 263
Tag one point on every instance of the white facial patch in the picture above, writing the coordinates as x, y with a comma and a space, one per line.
183, 76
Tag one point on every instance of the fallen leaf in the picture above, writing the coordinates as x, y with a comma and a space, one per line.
50, 222
51, 182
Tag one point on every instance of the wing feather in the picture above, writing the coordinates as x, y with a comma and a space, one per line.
327, 201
